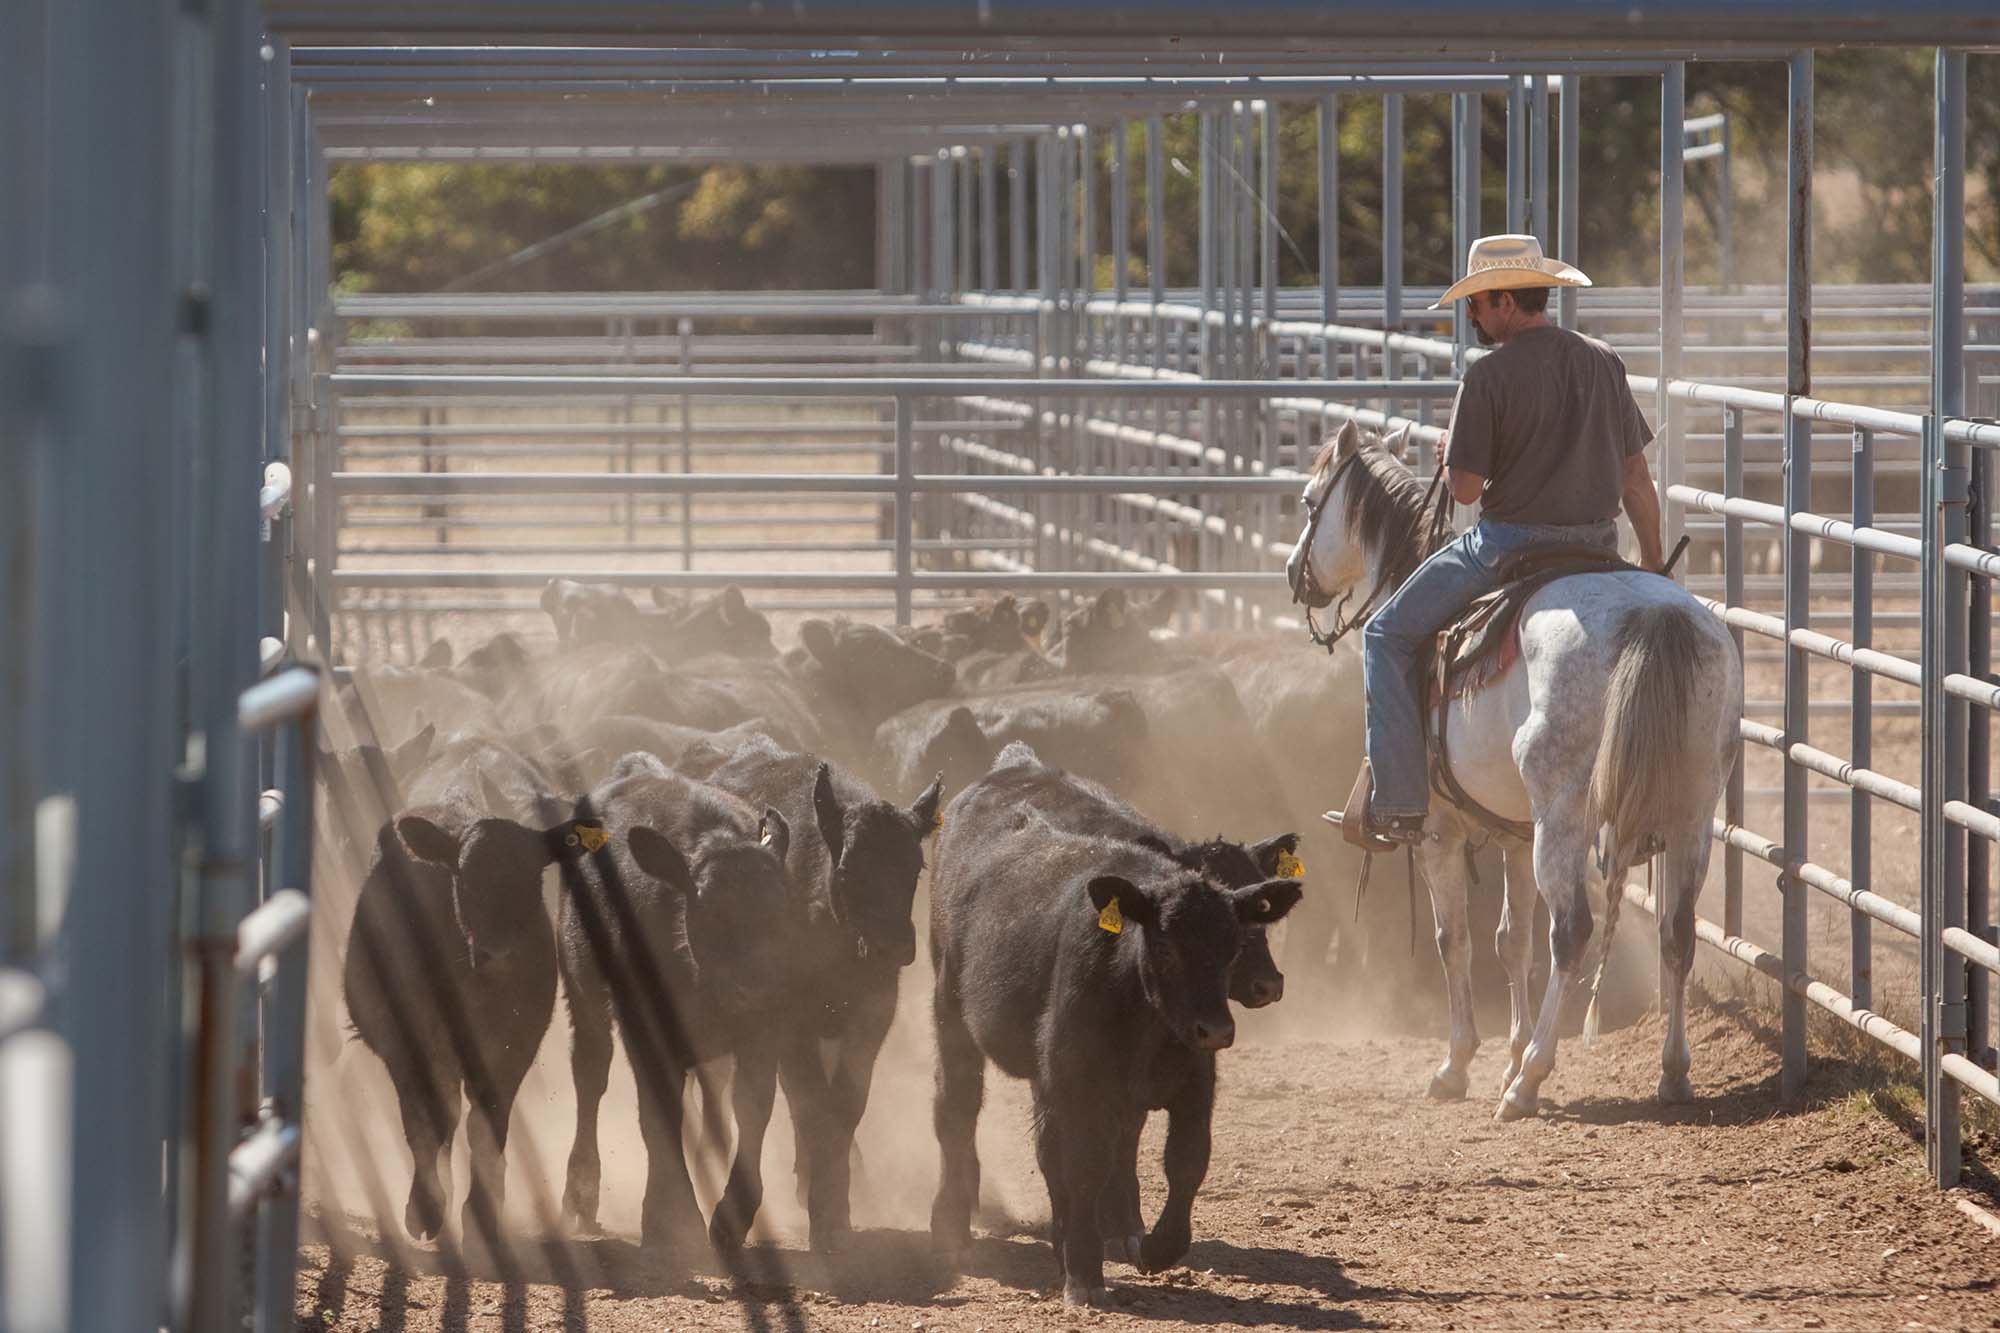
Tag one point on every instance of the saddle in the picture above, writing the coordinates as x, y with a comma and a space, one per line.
1471, 653
1476, 649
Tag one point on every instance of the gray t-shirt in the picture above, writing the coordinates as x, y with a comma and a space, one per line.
1549, 421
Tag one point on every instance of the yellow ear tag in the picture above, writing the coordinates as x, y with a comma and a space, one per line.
937, 821
1290, 867
592, 836
1111, 919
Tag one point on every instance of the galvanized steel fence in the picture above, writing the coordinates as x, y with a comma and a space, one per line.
164, 362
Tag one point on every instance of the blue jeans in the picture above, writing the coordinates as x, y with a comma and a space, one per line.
1394, 638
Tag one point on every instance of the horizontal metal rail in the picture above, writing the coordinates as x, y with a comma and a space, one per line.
258, 1166
706, 386
459, 484
282, 698
764, 578
1890, 1034
271, 928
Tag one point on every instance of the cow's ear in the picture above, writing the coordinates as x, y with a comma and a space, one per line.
1276, 856
410, 755
497, 802
924, 816
1262, 904
775, 832
826, 810
1111, 607
1034, 619
734, 608
817, 638
663, 599
1160, 610
654, 853
437, 656
426, 841
1131, 903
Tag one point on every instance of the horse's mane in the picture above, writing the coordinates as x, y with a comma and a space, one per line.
1384, 506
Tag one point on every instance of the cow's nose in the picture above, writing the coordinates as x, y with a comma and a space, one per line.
1266, 990
1214, 1035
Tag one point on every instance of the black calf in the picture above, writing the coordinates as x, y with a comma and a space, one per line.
677, 932
450, 978
853, 887
1096, 969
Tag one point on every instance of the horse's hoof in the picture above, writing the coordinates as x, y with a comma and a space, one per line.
1675, 1090
1517, 1105
1446, 1087
1075, 1294
423, 1216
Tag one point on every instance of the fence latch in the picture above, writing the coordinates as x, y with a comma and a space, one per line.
1954, 485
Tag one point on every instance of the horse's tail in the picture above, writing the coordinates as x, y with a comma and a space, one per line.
1637, 784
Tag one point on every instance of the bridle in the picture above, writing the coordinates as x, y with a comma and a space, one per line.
1344, 621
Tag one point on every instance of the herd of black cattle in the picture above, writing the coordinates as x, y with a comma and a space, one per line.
738, 835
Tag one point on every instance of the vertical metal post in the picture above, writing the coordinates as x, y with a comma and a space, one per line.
27, 410
1392, 220
1538, 159
1086, 168
87, 337
905, 472
1156, 215
284, 1019
1978, 761
989, 234
1517, 154
1944, 616
1732, 595
1465, 136
686, 332
888, 277
1568, 202
1798, 550
962, 218
1673, 460
1724, 192
1017, 214
1121, 211
1861, 732
1329, 212
226, 664
1205, 262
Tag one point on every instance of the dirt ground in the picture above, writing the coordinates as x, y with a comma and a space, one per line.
1339, 1197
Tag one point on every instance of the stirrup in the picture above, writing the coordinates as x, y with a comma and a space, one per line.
1398, 830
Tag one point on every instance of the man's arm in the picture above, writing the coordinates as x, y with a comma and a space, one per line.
1466, 487
1642, 506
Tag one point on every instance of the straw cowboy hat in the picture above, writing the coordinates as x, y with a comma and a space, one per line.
1497, 263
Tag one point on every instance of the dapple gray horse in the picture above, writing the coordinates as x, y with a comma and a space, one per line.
1613, 732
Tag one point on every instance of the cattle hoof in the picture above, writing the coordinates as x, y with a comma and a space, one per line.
1159, 1252
1675, 1090
828, 1239
725, 1234
1517, 1105
1447, 1086
1076, 1294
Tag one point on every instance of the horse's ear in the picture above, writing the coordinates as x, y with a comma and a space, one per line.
1397, 443
1347, 441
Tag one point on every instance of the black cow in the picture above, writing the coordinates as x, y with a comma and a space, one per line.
1114, 633
450, 977
1101, 732
855, 884
675, 629
1097, 969
677, 932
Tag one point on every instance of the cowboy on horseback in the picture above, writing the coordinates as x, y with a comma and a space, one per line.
1545, 437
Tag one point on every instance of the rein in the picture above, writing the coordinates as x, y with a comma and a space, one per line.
1437, 502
